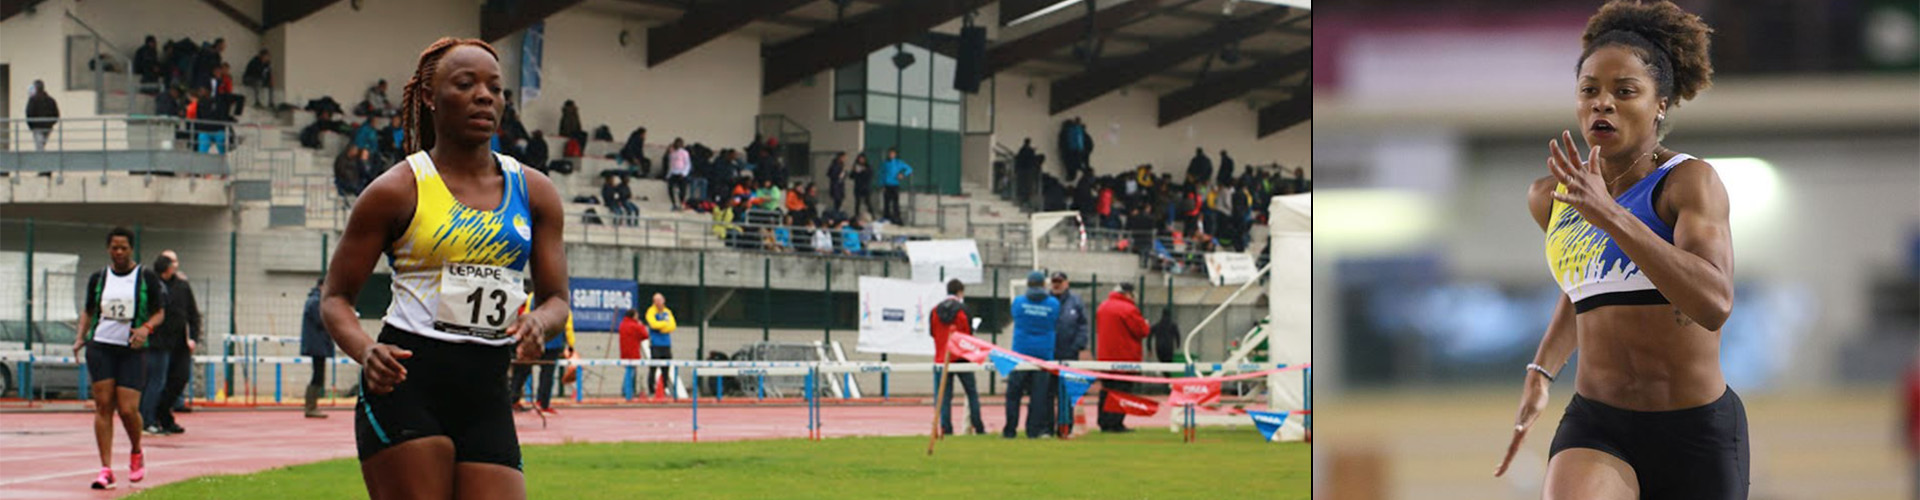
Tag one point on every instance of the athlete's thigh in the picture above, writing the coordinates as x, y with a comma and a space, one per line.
127, 398
417, 468
479, 480
103, 396
1587, 473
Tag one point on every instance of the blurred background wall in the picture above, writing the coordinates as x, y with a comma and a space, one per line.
1431, 121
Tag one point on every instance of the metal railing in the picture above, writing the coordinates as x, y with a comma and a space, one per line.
141, 144
103, 68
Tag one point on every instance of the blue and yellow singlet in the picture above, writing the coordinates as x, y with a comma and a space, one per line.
1589, 266
458, 271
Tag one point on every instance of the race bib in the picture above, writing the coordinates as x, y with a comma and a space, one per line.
478, 300
117, 309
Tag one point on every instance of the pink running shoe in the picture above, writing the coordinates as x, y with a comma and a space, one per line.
139, 468
105, 480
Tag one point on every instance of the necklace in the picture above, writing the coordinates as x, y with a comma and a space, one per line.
1623, 173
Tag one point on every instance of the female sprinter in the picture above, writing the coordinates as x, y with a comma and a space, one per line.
1637, 237
124, 303
460, 225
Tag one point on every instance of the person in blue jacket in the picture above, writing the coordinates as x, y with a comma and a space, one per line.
891, 174
1035, 316
1070, 331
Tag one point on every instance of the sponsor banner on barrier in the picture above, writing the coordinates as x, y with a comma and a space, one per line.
1075, 385
1004, 363
1268, 422
597, 303
893, 315
1230, 268
1122, 402
1194, 393
957, 346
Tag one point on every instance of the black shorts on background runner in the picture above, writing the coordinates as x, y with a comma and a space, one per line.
125, 365
1695, 453
453, 390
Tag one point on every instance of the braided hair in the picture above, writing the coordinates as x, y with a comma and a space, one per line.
1671, 41
415, 116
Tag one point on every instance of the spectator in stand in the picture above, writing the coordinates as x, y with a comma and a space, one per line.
234, 104
376, 103
892, 173
391, 139
168, 103
536, 152
366, 135
1121, 329
42, 113
822, 243
146, 62
679, 167
951, 317
632, 333
837, 179
850, 239
782, 235
796, 204
723, 227
346, 172
1200, 169
213, 121
616, 201
703, 173
1226, 169
258, 76
510, 118
570, 123
660, 321
206, 60
862, 176
633, 154
316, 345
769, 196
1026, 172
1035, 317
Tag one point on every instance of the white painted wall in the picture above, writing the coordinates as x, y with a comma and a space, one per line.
1126, 131
33, 48
126, 23
709, 94
812, 107
340, 52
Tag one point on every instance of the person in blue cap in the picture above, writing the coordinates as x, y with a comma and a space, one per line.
1035, 316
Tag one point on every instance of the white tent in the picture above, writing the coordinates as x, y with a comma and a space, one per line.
1290, 304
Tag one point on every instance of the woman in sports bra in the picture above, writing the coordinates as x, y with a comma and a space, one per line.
461, 227
1637, 237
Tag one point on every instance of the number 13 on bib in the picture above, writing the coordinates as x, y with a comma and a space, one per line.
478, 300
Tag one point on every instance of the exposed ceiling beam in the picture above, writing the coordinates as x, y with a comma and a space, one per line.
843, 43
236, 15
1011, 10
280, 12
704, 22
1078, 89
1208, 93
499, 18
1010, 53
1290, 28
1278, 116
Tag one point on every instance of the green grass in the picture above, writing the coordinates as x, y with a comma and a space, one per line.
1152, 463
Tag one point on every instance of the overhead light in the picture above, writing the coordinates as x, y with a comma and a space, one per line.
1042, 12
1752, 185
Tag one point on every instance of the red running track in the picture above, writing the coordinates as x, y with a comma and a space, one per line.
46, 454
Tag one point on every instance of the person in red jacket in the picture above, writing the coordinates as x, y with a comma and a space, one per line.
951, 317
1120, 329
632, 333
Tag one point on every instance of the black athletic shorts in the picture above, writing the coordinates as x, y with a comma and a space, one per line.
1694, 453
453, 390
125, 365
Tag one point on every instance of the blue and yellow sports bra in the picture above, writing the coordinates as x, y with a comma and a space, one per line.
458, 273
1586, 262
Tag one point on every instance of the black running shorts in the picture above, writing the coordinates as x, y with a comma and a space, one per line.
453, 390
126, 366
1694, 453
